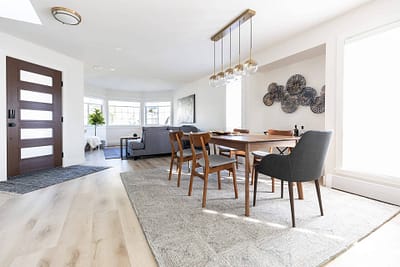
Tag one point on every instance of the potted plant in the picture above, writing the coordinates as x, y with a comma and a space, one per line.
96, 118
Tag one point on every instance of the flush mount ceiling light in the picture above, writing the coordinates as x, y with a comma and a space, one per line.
66, 15
250, 65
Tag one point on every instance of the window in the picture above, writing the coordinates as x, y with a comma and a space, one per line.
123, 113
370, 103
89, 105
157, 113
234, 105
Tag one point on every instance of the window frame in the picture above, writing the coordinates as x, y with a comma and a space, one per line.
136, 105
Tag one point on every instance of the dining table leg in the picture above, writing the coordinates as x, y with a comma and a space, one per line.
246, 183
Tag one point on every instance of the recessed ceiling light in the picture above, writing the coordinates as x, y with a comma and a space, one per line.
112, 69
66, 15
118, 49
97, 67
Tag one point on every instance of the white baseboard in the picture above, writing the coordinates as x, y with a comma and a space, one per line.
386, 193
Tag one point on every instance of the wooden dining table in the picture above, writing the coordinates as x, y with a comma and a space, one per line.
252, 142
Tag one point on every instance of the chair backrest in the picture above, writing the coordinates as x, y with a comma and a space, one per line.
200, 140
245, 131
280, 132
175, 138
308, 157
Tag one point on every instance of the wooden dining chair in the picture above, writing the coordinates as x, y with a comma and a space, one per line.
179, 154
232, 152
304, 163
258, 155
209, 164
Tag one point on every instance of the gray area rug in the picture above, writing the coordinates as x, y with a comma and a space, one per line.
181, 233
26, 183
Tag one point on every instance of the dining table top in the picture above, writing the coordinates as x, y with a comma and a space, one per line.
253, 138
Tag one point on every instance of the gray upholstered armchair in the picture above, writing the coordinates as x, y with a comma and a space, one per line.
304, 163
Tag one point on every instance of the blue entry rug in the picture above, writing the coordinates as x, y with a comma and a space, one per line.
113, 152
26, 183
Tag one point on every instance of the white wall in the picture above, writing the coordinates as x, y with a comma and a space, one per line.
210, 104
112, 134
331, 34
72, 93
259, 117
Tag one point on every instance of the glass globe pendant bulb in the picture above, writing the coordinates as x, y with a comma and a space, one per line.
213, 80
250, 66
230, 74
239, 70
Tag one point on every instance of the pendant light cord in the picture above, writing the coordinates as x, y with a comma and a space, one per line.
230, 47
214, 57
239, 41
251, 36
222, 54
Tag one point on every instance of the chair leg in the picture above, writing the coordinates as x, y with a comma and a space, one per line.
253, 169
205, 189
255, 187
234, 181
219, 180
292, 203
237, 162
170, 167
319, 197
191, 180
282, 188
179, 173
273, 184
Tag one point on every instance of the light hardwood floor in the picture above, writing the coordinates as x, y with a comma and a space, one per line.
90, 222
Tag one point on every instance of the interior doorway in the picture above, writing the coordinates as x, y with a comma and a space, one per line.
34, 119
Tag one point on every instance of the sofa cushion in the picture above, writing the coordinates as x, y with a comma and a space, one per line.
136, 144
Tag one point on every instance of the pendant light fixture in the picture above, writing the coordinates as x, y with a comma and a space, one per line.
251, 66
240, 69
229, 72
221, 75
213, 78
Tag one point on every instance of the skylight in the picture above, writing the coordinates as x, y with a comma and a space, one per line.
21, 10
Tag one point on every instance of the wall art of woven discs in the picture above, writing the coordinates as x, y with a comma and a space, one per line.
323, 90
272, 87
289, 103
295, 84
280, 93
268, 99
318, 105
307, 96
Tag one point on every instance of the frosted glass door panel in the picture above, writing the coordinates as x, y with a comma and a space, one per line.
32, 114
36, 133
38, 151
32, 77
26, 95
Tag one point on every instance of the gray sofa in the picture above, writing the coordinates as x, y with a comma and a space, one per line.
155, 140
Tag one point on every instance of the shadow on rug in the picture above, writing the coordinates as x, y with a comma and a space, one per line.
181, 233
26, 183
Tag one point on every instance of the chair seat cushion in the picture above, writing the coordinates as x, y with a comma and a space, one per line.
259, 154
217, 160
188, 152
136, 144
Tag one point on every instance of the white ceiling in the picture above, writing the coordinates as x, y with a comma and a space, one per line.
158, 44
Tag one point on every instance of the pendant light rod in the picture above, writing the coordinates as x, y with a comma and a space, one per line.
239, 42
230, 48
214, 57
233, 24
251, 36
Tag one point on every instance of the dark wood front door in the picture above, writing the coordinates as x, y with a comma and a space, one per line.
34, 120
